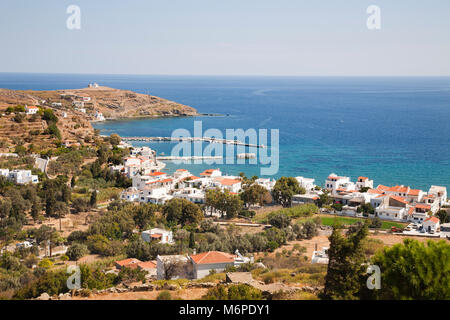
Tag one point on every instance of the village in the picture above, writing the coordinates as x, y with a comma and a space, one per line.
355, 199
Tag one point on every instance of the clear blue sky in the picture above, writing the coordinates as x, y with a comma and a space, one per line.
227, 37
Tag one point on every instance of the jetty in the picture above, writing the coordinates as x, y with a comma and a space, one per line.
194, 139
187, 157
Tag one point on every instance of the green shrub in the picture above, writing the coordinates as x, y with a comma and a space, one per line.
164, 295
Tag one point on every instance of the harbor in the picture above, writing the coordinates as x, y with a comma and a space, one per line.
193, 139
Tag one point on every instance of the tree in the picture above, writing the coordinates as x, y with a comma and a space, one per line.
61, 209
93, 199
443, 216
346, 266
232, 204
76, 251
254, 194
114, 139
284, 189
191, 240
36, 210
72, 182
324, 199
280, 220
413, 270
182, 211
376, 223
366, 209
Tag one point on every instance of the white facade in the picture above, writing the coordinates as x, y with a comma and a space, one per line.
266, 183
160, 235
335, 182
22, 177
191, 194
306, 183
31, 109
431, 224
363, 182
440, 193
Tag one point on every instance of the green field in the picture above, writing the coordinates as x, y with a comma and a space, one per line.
330, 220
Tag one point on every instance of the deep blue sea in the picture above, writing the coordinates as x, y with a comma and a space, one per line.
394, 130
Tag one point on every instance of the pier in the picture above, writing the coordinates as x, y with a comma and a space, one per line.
194, 139
187, 157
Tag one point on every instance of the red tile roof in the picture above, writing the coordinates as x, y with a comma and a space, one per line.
127, 262
146, 265
413, 192
363, 178
400, 199
229, 182
156, 173
212, 257
432, 219
423, 206
208, 172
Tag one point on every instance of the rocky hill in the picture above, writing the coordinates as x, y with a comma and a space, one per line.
75, 109
112, 103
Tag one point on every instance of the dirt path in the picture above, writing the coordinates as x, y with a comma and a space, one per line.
184, 294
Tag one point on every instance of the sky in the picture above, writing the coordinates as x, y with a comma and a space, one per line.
229, 37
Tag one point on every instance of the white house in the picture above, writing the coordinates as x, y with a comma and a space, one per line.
306, 183
440, 193
204, 262
211, 173
99, 116
304, 198
131, 194
157, 234
191, 194
364, 182
230, 184
266, 183
431, 224
22, 177
390, 207
335, 182
31, 109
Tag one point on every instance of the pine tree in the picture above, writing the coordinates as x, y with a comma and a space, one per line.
191, 240
346, 271
93, 200
35, 210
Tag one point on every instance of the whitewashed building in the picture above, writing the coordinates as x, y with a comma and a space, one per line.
158, 235
306, 183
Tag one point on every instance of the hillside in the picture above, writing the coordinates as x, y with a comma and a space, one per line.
75, 109
112, 103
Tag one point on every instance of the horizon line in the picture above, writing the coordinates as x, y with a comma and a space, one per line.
228, 75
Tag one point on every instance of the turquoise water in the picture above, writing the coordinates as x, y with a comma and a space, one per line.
394, 130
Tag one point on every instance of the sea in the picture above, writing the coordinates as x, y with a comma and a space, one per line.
395, 130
